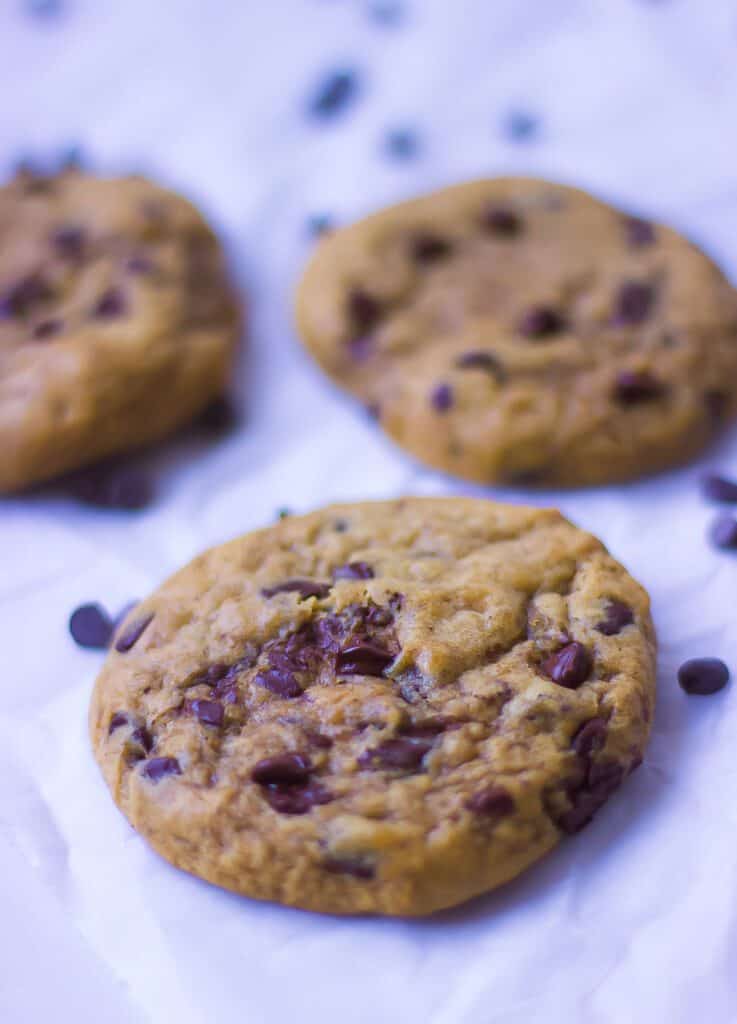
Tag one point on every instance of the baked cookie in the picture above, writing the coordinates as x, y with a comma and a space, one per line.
383, 708
117, 321
518, 331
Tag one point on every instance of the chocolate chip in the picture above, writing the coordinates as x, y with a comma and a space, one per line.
354, 866
91, 627
296, 799
502, 221
635, 386
364, 311
401, 144
702, 676
365, 659
219, 417
111, 304
21, 298
719, 488
492, 801
401, 753
318, 739
69, 242
441, 397
132, 634
617, 615
282, 770
589, 737
361, 348
48, 328
482, 361
281, 682
429, 248
111, 485
633, 303
117, 721
586, 800
334, 94
142, 737
520, 126
570, 666
140, 264
209, 712
353, 571
158, 767
639, 232
319, 224
540, 322
723, 532
305, 589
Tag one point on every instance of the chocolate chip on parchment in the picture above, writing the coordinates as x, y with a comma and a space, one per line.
91, 627
334, 94
703, 676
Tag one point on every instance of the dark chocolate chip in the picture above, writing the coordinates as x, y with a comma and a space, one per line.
570, 666
364, 311
91, 627
113, 486
617, 615
353, 571
140, 264
282, 770
719, 488
589, 737
586, 800
296, 799
633, 303
520, 126
305, 589
723, 532
318, 739
219, 417
492, 801
401, 753
441, 398
334, 94
429, 248
365, 659
209, 712
48, 328
158, 767
401, 144
635, 386
142, 737
485, 361
118, 720
23, 296
541, 322
111, 304
212, 675
639, 232
69, 242
279, 681
502, 221
354, 866
703, 676
132, 633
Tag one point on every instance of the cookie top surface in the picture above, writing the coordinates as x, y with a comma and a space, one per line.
514, 330
117, 321
384, 707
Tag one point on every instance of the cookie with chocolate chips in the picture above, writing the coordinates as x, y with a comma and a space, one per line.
117, 320
517, 331
378, 708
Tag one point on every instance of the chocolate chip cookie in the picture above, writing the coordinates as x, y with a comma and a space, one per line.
518, 331
383, 708
117, 321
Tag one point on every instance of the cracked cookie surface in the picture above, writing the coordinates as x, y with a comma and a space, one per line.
117, 320
519, 331
384, 707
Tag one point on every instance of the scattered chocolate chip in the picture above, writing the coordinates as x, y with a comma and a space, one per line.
401, 753
387, 13
441, 398
319, 224
570, 666
354, 866
719, 488
633, 303
283, 513
429, 248
48, 328
617, 615
716, 404
296, 799
91, 627
401, 144
279, 681
69, 242
117, 721
365, 659
520, 126
703, 676
140, 264
589, 737
305, 589
158, 767
133, 633
635, 386
219, 417
209, 712
353, 571
586, 800
638, 232
723, 532
212, 675
111, 304
23, 296
142, 737
334, 94
502, 221
540, 322
364, 311
282, 770
111, 485
493, 801
482, 361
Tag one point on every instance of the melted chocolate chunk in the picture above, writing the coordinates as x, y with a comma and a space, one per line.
282, 770
617, 615
280, 681
209, 712
405, 754
363, 659
570, 666
158, 767
493, 802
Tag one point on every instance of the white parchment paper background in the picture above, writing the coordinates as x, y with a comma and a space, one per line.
636, 919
